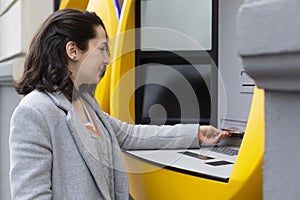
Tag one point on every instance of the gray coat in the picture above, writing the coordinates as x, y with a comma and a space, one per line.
48, 160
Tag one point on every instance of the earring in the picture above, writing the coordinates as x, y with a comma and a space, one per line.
74, 58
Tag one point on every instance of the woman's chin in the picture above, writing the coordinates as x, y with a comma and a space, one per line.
95, 81
98, 80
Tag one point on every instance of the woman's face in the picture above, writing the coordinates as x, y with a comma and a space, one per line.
91, 64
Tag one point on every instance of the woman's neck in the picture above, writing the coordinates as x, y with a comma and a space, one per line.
79, 109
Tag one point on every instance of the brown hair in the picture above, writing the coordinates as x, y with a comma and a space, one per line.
46, 64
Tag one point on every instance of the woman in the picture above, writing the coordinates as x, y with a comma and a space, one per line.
62, 145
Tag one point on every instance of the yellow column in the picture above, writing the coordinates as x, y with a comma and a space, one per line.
79, 4
105, 9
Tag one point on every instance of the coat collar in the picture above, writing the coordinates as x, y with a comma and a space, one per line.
63, 103
60, 100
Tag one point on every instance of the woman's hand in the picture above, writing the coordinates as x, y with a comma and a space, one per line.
209, 135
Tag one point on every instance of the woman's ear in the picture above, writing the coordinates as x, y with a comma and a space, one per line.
72, 51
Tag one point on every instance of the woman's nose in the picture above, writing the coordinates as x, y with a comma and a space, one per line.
106, 58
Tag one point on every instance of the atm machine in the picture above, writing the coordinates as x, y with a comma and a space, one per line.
165, 70
203, 173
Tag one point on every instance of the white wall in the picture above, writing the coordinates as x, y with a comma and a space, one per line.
8, 101
11, 31
19, 20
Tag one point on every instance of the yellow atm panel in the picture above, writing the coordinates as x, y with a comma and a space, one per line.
244, 183
123, 65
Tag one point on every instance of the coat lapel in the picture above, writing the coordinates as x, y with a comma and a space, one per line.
120, 173
76, 127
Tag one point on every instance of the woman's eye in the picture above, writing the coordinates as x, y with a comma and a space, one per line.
105, 49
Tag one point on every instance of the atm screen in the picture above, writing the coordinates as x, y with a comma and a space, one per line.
171, 94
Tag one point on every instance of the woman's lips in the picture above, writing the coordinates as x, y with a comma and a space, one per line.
102, 72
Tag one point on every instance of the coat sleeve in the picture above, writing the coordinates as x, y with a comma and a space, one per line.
30, 155
154, 137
